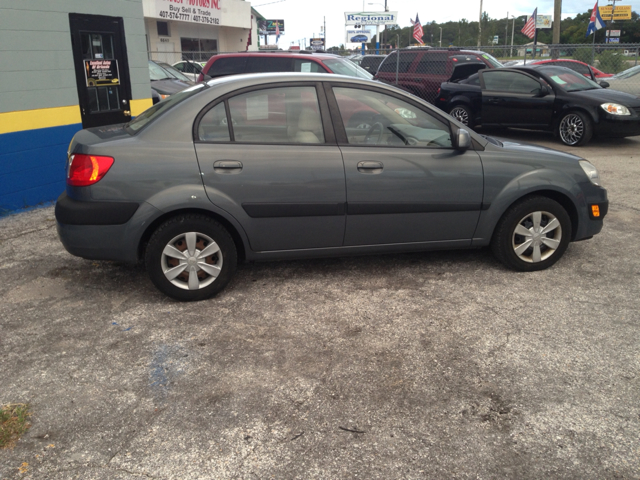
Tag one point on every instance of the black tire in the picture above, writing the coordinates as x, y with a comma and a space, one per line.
462, 114
510, 247
575, 128
193, 283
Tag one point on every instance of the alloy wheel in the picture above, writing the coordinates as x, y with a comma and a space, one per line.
460, 114
571, 129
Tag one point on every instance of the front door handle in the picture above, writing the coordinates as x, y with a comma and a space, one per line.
370, 167
227, 166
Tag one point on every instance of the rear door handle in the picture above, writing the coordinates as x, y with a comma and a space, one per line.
227, 166
370, 167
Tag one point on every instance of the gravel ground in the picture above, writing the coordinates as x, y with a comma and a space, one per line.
433, 365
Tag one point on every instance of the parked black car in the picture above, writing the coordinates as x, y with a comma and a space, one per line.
371, 62
543, 98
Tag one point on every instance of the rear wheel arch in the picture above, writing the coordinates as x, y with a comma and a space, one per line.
238, 239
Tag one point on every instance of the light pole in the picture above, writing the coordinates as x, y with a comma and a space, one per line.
480, 25
386, 9
440, 36
512, 29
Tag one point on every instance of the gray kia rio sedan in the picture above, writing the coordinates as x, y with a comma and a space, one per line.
279, 166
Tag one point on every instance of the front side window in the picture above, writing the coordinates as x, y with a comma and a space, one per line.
373, 118
513, 82
277, 116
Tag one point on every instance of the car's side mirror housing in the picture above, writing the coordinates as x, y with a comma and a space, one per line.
604, 84
544, 91
461, 139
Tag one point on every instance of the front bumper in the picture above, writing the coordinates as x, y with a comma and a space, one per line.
617, 126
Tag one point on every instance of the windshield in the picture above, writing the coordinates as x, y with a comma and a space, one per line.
494, 63
156, 72
630, 72
175, 72
568, 80
159, 108
341, 66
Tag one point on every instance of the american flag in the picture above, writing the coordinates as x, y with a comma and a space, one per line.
417, 30
529, 28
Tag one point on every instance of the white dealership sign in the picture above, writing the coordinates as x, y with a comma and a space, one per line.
371, 18
194, 11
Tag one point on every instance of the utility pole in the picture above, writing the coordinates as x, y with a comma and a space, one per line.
557, 14
506, 31
480, 25
325, 32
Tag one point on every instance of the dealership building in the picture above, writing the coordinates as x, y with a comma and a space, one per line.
71, 64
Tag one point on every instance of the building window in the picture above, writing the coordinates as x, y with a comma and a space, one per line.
198, 49
163, 29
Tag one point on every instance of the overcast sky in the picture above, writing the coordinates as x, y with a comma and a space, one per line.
304, 18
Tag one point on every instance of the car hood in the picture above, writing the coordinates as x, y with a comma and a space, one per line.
169, 86
606, 95
529, 148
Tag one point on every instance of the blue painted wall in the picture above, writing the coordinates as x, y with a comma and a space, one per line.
32, 166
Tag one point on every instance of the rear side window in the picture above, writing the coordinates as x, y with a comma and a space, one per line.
406, 59
268, 64
277, 116
227, 66
433, 63
307, 66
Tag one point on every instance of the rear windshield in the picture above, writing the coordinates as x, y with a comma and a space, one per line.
159, 108
341, 66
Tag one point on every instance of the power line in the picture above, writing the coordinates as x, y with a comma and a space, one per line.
270, 3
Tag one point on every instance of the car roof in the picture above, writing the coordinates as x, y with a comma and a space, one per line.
284, 54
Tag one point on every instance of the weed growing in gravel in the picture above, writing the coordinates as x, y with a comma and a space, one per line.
13, 423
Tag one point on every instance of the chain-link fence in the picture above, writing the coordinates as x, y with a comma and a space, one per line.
422, 70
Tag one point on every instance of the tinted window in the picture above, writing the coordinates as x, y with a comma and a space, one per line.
268, 64
406, 59
498, 81
277, 115
307, 66
373, 118
433, 63
227, 66
523, 84
213, 126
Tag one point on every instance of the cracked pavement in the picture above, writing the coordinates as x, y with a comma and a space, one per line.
430, 365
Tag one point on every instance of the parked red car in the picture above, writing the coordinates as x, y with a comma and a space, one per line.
575, 65
263, 62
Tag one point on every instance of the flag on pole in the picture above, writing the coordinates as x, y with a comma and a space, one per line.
277, 31
595, 23
529, 28
417, 30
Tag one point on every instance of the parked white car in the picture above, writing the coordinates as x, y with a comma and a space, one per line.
189, 68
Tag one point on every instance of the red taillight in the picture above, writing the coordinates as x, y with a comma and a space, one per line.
87, 169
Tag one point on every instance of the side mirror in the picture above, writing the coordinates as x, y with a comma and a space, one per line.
544, 91
461, 140
604, 84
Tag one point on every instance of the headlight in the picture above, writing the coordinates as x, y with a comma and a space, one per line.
590, 171
615, 109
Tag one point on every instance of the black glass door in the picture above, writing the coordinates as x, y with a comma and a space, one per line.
102, 71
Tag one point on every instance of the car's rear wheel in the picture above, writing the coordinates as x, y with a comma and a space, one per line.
575, 129
532, 235
191, 257
462, 113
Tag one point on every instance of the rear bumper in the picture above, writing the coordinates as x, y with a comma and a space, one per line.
95, 241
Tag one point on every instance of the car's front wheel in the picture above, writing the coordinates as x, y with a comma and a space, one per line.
462, 113
190, 257
575, 129
532, 234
